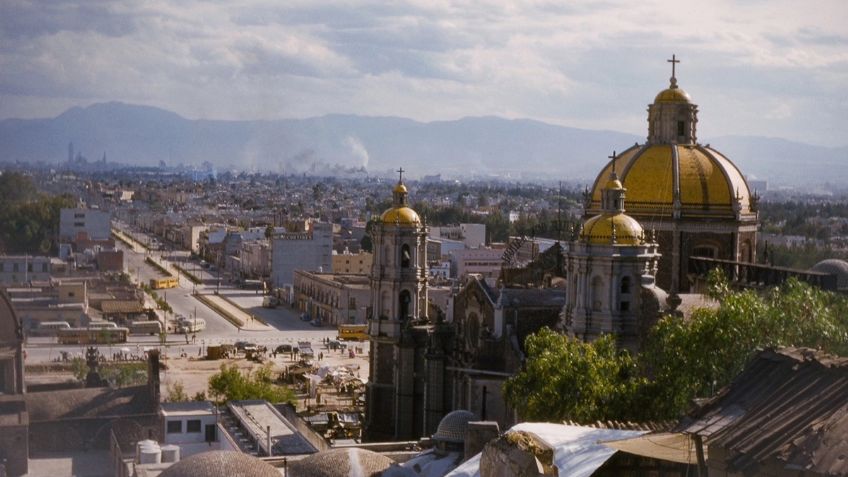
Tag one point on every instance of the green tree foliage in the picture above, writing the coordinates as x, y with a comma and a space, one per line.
681, 360
230, 384
29, 222
176, 392
565, 378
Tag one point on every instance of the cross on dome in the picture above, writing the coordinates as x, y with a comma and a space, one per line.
400, 174
673, 62
613, 164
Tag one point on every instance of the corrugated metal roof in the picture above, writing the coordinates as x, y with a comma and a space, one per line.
789, 405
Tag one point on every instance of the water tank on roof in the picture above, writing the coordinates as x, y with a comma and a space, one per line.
149, 454
170, 453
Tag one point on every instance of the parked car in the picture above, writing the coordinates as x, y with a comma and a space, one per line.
284, 348
241, 345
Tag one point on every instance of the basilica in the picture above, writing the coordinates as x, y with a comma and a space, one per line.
653, 210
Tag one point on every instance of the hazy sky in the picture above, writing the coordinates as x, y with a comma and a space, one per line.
755, 67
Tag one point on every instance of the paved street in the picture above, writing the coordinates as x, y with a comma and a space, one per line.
284, 323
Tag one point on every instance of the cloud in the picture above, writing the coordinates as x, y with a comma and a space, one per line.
585, 64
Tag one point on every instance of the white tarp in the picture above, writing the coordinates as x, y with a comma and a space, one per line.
577, 450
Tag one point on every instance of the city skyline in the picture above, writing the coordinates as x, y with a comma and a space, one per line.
757, 68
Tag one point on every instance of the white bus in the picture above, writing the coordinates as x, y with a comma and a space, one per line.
50, 328
152, 327
99, 325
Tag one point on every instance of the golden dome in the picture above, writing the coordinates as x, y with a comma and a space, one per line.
598, 230
673, 95
401, 216
708, 183
614, 184
400, 189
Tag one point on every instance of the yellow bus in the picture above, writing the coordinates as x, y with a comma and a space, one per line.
167, 282
353, 332
92, 335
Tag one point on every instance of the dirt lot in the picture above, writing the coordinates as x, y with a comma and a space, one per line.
194, 373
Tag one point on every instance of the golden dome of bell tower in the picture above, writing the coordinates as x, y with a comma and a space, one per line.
672, 118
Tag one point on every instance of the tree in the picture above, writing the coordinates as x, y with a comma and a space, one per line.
176, 392
565, 378
230, 384
680, 360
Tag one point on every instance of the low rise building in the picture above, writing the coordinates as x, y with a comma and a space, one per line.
332, 299
353, 264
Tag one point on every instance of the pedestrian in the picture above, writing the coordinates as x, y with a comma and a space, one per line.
320, 356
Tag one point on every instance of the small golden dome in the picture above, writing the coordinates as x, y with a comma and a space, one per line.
673, 95
598, 230
400, 189
401, 216
614, 184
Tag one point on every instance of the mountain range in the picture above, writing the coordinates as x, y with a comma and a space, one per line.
467, 147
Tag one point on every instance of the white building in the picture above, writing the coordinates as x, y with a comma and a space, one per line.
97, 224
311, 251
471, 235
482, 261
189, 422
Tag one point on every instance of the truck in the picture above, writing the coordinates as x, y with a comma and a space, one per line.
189, 325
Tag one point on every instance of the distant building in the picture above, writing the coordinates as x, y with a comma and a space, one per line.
353, 263
485, 262
97, 224
332, 299
310, 251
21, 269
472, 235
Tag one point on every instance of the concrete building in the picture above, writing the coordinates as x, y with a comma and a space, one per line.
191, 422
97, 224
311, 251
22, 269
471, 235
353, 263
332, 299
486, 262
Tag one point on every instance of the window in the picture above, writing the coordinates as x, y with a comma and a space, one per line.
175, 427
15, 267
44, 267
405, 257
625, 285
193, 425
79, 224
71, 294
681, 126
624, 306
705, 251
29, 267
79, 215
597, 292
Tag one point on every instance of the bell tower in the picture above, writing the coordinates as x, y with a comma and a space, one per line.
398, 301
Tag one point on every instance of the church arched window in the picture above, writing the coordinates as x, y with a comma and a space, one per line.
597, 293
625, 285
405, 302
405, 257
